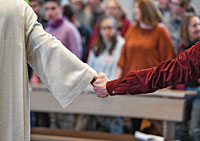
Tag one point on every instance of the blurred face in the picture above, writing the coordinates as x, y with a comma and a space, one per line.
194, 28
35, 5
112, 9
77, 4
137, 12
107, 30
176, 8
52, 11
163, 4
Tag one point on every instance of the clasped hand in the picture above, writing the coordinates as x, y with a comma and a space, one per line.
99, 85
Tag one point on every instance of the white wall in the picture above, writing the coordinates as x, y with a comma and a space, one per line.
196, 3
127, 6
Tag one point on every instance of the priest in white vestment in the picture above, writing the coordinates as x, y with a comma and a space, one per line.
22, 40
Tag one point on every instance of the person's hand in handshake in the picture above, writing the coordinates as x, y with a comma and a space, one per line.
100, 86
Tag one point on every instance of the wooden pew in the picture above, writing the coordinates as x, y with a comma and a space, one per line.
167, 106
44, 134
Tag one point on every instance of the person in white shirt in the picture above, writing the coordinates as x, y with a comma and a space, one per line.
106, 50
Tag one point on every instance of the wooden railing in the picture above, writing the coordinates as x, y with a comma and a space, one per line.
167, 106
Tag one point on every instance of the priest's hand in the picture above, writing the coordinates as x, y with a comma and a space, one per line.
100, 86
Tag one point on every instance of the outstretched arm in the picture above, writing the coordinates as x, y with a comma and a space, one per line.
183, 68
179, 70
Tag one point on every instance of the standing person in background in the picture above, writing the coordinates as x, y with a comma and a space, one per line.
84, 30
190, 31
106, 50
93, 7
112, 8
190, 34
61, 28
104, 57
96, 9
69, 35
82, 11
173, 20
147, 43
163, 6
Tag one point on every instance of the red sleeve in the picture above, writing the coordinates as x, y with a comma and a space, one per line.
180, 47
185, 67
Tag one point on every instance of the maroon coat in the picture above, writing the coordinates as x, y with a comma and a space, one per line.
185, 67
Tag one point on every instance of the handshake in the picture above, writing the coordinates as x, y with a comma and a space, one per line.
99, 85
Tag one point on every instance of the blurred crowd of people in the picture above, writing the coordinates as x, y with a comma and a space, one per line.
99, 33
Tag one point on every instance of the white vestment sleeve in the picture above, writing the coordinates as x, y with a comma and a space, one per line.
61, 71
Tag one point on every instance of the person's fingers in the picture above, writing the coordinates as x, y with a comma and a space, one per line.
100, 79
102, 75
100, 85
97, 87
97, 76
101, 91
